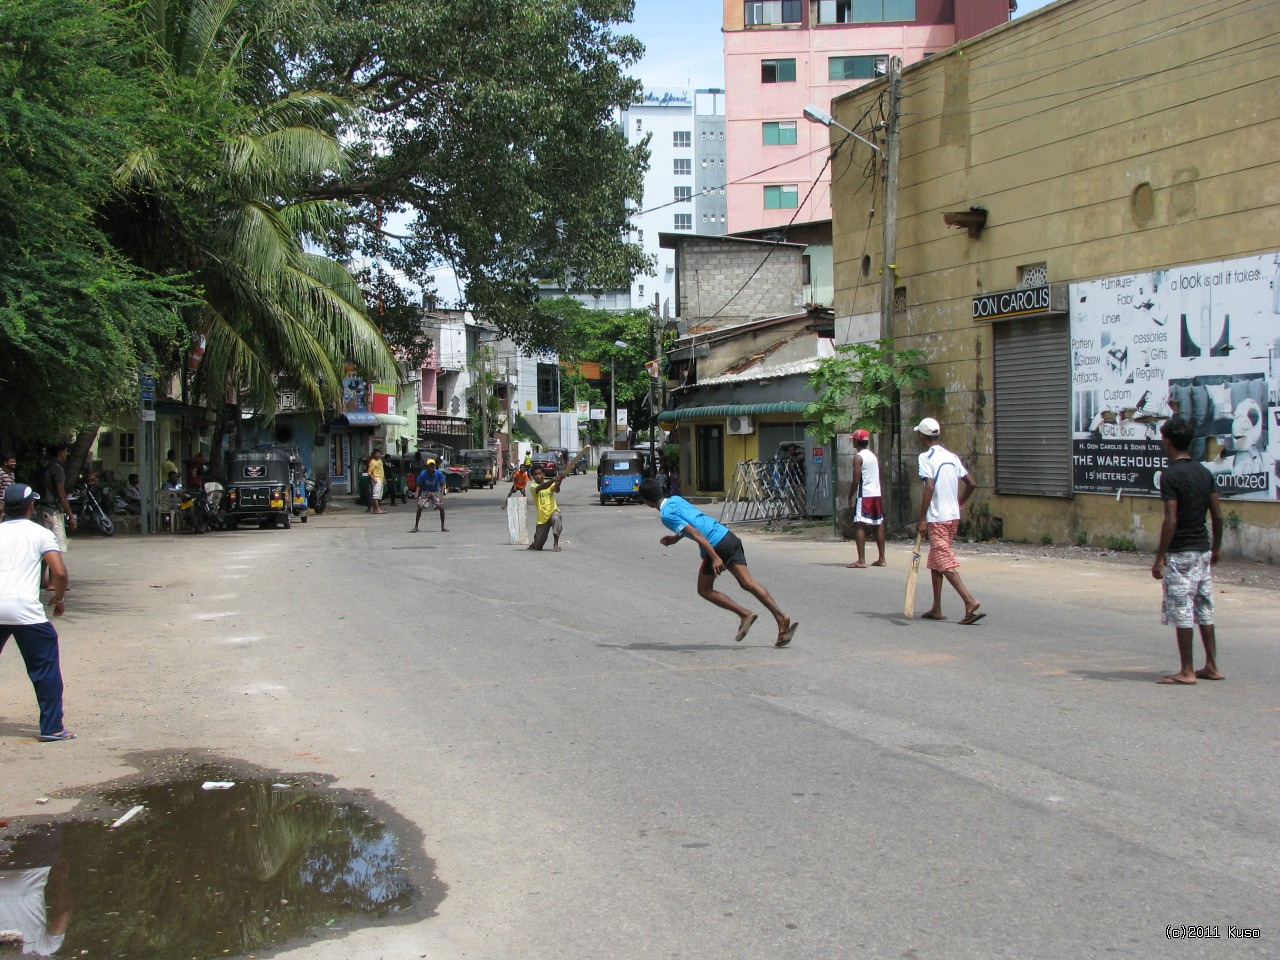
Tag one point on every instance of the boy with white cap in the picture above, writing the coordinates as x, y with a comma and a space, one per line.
947, 485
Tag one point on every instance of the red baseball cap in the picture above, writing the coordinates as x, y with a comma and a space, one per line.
860, 435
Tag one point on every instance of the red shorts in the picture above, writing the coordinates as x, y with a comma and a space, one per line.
940, 536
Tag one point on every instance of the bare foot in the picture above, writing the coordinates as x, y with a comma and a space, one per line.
444, 529
555, 549
1204, 673
857, 566
879, 563
1178, 678
930, 615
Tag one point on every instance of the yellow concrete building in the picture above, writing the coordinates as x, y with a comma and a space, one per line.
1088, 230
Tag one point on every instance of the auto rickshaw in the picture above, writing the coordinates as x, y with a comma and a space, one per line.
259, 488
619, 474
482, 467
396, 471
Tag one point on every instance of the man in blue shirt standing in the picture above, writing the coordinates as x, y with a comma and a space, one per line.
720, 550
431, 490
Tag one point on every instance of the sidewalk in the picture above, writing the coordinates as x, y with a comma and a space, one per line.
1226, 572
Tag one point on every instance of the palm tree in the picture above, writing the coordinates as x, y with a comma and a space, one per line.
224, 206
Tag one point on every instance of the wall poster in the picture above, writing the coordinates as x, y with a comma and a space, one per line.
1202, 341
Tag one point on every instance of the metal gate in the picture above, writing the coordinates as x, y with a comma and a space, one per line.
764, 490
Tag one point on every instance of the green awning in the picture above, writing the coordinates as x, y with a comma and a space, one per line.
732, 410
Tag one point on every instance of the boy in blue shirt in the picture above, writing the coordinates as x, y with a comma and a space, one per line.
431, 491
721, 550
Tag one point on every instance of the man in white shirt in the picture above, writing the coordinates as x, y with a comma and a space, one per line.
865, 499
947, 485
24, 548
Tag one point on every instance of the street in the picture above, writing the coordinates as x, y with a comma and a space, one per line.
598, 770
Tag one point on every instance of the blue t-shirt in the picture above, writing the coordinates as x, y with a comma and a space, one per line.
678, 513
430, 480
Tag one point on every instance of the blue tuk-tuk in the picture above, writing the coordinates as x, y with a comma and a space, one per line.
619, 474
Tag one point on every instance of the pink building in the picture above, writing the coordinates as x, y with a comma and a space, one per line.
783, 54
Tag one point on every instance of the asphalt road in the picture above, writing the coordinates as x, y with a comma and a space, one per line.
599, 771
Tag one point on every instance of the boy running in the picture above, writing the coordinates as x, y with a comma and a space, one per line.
720, 550
431, 491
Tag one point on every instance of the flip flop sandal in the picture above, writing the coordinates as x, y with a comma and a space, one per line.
54, 737
785, 637
744, 627
971, 619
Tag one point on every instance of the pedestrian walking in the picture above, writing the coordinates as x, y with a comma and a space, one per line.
431, 491
720, 550
54, 509
8, 472
377, 482
1186, 555
26, 549
947, 485
549, 519
865, 499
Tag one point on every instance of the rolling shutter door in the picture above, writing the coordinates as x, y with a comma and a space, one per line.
1033, 409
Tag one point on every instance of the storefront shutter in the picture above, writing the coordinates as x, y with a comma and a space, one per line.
1033, 408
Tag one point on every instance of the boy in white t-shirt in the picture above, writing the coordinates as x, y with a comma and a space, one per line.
24, 548
947, 485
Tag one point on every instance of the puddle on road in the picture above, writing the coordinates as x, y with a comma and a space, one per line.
208, 873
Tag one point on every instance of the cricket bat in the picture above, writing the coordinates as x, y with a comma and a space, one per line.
909, 604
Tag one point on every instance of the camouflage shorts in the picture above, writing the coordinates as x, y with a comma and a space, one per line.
1188, 590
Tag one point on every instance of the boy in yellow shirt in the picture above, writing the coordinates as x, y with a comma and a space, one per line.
549, 519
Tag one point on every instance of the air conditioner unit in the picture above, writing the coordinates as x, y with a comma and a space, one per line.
739, 426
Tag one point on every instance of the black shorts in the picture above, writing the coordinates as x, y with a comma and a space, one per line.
729, 550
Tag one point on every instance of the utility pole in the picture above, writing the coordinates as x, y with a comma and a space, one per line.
656, 341
888, 275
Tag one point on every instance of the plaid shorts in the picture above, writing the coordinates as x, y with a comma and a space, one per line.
430, 499
941, 534
1188, 589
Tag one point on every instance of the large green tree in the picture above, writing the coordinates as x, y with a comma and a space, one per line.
228, 206
76, 318
491, 124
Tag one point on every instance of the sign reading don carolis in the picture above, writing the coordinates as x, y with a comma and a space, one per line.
1011, 303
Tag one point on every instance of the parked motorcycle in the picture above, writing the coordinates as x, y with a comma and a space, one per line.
199, 508
91, 510
317, 495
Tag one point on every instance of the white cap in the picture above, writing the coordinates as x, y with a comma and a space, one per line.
929, 427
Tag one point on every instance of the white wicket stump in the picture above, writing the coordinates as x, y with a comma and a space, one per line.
518, 519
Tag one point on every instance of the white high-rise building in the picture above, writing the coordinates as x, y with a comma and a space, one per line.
684, 188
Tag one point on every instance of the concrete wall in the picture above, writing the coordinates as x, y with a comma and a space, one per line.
1053, 123
712, 272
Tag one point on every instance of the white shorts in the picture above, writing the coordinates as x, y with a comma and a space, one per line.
378, 489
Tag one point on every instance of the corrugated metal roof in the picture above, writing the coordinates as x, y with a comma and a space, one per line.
764, 372
732, 410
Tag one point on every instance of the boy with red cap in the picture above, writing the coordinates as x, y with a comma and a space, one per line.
865, 499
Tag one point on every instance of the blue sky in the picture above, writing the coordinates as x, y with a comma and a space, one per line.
683, 42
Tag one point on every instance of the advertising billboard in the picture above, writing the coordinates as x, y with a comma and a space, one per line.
1200, 341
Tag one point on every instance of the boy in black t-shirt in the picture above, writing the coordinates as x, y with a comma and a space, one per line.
1184, 560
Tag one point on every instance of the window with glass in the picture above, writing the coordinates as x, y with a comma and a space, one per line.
128, 447
683, 167
763, 12
779, 133
784, 196
683, 194
855, 68
778, 71
684, 221
682, 138
866, 11
548, 387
